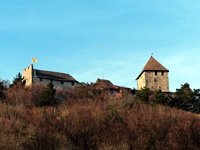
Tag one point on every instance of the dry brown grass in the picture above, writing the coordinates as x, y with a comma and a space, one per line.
93, 123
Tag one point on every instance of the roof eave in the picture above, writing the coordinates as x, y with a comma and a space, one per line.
150, 71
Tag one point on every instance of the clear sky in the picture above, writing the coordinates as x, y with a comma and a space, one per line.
110, 39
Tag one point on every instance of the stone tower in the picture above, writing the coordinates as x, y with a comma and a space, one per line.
153, 76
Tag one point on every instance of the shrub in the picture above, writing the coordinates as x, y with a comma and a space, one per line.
144, 94
160, 98
48, 96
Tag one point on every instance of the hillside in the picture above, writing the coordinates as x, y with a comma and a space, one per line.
87, 120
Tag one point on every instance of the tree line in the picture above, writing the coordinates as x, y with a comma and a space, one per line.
184, 98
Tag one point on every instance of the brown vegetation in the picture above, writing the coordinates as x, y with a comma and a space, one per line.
89, 120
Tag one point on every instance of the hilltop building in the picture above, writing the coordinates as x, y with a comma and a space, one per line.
153, 76
108, 87
58, 79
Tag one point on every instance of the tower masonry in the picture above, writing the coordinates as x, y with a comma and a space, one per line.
153, 76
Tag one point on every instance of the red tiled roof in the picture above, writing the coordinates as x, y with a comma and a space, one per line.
153, 65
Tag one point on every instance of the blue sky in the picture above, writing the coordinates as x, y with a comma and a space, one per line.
93, 39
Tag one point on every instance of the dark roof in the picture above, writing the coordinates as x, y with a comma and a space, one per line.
153, 65
126, 88
105, 84
54, 76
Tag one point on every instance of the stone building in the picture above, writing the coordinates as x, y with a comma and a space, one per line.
153, 76
58, 79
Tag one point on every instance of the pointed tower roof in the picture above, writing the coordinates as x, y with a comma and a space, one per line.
153, 65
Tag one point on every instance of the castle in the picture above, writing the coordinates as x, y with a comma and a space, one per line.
58, 79
153, 76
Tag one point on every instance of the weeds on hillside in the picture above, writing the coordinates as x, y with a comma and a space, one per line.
92, 121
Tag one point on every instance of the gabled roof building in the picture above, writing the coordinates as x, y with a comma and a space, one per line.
107, 86
44, 77
153, 76
102, 84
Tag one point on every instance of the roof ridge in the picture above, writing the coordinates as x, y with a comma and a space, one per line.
51, 71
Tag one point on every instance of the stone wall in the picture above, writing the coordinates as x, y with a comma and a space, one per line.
141, 83
154, 80
57, 84
27, 73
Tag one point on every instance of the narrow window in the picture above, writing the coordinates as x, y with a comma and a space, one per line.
62, 82
72, 83
51, 81
41, 79
156, 73
155, 80
162, 73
